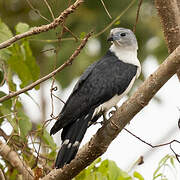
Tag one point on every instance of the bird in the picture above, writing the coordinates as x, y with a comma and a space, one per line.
99, 88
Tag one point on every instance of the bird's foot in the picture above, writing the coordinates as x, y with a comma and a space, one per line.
111, 113
105, 120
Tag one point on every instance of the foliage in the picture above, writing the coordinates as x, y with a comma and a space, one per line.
106, 170
165, 163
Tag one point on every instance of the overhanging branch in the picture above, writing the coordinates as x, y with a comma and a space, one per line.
105, 135
43, 28
67, 63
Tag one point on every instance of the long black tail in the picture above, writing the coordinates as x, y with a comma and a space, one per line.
72, 136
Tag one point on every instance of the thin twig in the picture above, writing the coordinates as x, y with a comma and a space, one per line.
37, 11
46, 50
67, 63
116, 19
137, 15
75, 37
55, 63
52, 100
152, 146
59, 99
10, 114
49, 8
106, 9
159, 145
43, 28
95, 35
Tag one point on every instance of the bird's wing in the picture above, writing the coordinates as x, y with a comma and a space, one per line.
100, 82
84, 76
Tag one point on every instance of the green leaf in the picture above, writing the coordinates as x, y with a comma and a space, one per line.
52, 154
82, 35
13, 174
172, 161
5, 54
21, 28
137, 175
5, 33
7, 103
11, 84
18, 65
23, 63
160, 174
1, 77
117, 23
24, 124
46, 137
109, 169
6, 112
114, 171
31, 62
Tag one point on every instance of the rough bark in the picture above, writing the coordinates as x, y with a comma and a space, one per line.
12, 157
169, 13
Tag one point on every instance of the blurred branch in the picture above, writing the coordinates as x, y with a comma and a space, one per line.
137, 15
169, 13
67, 63
116, 19
95, 35
49, 8
106, 9
37, 11
12, 157
43, 28
108, 132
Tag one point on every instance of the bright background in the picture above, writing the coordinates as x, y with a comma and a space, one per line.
156, 123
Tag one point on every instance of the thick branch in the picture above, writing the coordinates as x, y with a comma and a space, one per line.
105, 135
169, 13
67, 63
43, 28
12, 157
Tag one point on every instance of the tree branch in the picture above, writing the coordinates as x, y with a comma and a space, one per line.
169, 13
105, 135
43, 28
67, 63
2, 177
12, 157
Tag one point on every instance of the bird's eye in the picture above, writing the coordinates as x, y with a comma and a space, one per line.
123, 34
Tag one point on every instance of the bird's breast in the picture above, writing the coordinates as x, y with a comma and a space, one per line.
114, 100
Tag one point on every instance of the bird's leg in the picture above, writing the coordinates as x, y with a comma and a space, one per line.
104, 114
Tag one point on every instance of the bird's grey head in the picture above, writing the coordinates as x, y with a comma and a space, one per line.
122, 37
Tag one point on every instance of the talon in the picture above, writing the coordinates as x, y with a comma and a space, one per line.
111, 112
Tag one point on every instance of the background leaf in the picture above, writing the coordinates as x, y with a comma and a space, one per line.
25, 124
47, 139
21, 27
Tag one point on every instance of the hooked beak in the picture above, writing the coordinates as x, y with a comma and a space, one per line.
110, 38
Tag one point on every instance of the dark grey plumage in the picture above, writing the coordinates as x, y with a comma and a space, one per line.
102, 81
